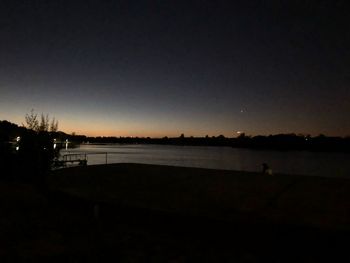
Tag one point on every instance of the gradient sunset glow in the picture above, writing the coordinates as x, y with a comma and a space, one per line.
116, 68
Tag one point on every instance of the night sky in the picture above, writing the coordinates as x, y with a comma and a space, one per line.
162, 68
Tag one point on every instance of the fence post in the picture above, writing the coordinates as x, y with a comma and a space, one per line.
106, 158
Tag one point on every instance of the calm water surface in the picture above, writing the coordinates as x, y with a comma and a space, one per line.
292, 162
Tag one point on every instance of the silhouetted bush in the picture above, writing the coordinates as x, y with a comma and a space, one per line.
28, 159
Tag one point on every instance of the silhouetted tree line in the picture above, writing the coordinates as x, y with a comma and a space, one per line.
274, 142
294, 142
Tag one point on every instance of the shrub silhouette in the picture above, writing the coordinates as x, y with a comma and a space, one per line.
30, 158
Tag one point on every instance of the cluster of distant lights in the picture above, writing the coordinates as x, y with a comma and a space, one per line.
18, 138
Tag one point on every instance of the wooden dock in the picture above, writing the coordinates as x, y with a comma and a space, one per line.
72, 158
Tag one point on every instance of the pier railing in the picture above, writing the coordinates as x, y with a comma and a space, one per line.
69, 159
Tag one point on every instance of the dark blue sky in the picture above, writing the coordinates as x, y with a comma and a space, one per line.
156, 68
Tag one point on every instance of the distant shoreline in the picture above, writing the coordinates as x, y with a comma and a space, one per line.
281, 142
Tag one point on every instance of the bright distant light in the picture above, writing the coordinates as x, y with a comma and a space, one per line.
17, 140
239, 132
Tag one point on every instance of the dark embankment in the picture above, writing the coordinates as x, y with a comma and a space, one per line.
148, 213
217, 194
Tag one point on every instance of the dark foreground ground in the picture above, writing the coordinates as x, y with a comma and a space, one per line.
142, 213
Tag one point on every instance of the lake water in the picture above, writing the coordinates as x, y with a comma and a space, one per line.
228, 158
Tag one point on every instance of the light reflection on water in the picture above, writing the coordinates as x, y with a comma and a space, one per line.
291, 162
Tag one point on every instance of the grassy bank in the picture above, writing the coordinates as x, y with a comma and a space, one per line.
225, 195
150, 213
